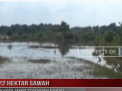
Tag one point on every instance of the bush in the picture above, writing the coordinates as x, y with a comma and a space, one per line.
68, 36
24, 36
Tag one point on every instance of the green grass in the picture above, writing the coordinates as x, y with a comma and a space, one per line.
101, 71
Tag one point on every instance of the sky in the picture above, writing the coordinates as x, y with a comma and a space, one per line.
75, 13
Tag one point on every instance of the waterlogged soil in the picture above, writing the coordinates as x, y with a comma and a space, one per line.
19, 61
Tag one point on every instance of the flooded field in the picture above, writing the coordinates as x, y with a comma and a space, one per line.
53, 61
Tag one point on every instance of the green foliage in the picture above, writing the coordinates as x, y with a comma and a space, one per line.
24, 36
19, 33
64, 27
98, 35
39, 35
68, 36
9, 32
15, 36
110, 36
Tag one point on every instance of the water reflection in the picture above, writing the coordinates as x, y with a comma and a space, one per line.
64, 48
10, 47
47, 53
60, 48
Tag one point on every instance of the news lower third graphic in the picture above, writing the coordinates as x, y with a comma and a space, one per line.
120, 51
42, 89
106, 51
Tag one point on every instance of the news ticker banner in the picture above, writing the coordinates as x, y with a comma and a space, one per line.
60, 83
106, 51
60, 89
42, 89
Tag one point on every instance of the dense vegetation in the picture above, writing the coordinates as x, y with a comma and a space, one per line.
98, 35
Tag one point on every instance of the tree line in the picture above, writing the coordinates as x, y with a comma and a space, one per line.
62, 32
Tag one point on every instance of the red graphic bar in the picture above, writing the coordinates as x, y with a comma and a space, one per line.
60, 83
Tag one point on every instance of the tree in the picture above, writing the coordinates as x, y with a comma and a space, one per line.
64, 27
19, 33
9, 33
68, 36
110, 36
120, 28
112, 27
24, 36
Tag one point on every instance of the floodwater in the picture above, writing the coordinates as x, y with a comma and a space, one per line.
20, 60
